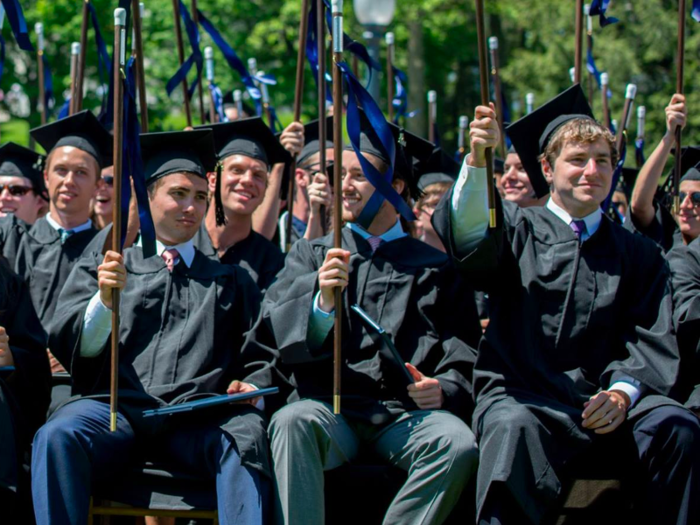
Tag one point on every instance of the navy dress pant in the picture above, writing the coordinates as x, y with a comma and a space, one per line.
76, 449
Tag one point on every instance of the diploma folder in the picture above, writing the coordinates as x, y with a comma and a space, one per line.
387, 349
5, 371
207, 402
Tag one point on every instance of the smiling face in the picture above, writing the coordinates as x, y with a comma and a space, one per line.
71, 177
515, 184
243, 184
178, 203
688, 217
18, 197
103, 202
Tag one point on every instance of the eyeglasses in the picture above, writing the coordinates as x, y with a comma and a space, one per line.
694, 197
15, 190
108, 180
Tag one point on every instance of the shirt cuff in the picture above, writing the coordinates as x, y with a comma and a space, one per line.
97, 325
630, 387
320, 323
260, 404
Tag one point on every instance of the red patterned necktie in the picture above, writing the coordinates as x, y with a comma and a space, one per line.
171, 258
375, 242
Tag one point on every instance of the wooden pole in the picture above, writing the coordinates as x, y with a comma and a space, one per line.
626, 114
119, 56
39, 29
589, 48
432, 115
74, 64
81, 60
137, 9
680, 60
238, 99
298, 95
337, 11
181, 56
495, 66
202, 113
321, 95
266, 102
529, 103
484, 80
579, 46
390, 74
606, 103
209, 62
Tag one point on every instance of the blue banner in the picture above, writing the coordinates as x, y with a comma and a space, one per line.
15, 16
599, 7
195, 59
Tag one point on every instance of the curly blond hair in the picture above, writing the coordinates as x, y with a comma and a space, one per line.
581, 131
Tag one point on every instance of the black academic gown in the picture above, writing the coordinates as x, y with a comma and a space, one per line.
255, 254
406, 286
25, 392
685, 266
12, 230
45, 264
181, 335
663, 229
567, 320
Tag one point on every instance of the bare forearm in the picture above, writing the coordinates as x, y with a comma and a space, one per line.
265, 217
642, 204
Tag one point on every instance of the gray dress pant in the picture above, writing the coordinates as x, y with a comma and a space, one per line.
435, 448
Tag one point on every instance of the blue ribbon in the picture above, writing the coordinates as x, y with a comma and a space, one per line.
48, 85
232, 58
616, 178
312, 51
275, 124
195, 59
15, 16
65, 108
696, 10
2, 56
358, 97
400, 101
104, 62
133, 167
639, 151
218, 99
599, 7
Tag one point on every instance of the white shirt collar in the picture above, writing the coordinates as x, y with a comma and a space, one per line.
592, 220
185, 250
77, 229
393, 233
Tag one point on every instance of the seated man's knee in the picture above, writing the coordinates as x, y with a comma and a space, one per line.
677, 427
456, 442
295, 418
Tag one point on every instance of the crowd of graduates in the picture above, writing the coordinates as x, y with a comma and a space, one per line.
489, 345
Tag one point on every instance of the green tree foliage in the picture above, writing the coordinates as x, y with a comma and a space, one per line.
536, 52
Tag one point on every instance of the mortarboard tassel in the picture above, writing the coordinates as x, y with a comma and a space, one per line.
218, 203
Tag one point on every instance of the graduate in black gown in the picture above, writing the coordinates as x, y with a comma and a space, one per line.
312, 188
183, 321
650, 204
411, 290
78, 147
22, 190
579, 353
246, 151
24, 392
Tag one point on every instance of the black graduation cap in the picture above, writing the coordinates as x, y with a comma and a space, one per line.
228, 102
530, 134
440, 167
312, 144
82, 131
690, 158
18, 161
627, 180
176, 152
499, 165
250, 137
409, 147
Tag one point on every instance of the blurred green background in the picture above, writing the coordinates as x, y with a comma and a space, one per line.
435, 45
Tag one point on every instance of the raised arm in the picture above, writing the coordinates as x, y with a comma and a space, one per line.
642, 204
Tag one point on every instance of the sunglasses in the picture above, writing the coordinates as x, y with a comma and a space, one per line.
15, 190
108, 180
694, 197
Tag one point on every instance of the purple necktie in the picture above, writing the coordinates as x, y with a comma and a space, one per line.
579, 228
171, 257
375, 242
